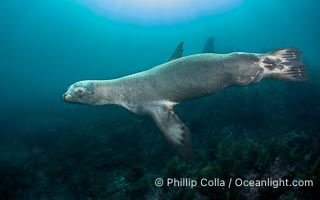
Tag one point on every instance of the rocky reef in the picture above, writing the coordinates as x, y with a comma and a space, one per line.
270, 130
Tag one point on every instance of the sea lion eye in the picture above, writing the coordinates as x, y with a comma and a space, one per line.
80, 93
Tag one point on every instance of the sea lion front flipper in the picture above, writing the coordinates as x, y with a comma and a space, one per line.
209, 46
173, 129
177, 53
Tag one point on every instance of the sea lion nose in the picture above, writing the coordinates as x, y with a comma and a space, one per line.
65, 97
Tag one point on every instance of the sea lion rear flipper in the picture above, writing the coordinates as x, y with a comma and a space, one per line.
284, 64
173, 129
177, 53
209, 46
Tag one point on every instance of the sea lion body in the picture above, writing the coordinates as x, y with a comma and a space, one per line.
183, 79
155, 91
191, 77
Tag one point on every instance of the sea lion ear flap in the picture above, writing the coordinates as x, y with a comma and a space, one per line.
90, 87
173, 129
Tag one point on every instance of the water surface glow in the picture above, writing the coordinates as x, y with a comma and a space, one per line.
159, 11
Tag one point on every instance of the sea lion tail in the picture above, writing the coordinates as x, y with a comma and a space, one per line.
284, 64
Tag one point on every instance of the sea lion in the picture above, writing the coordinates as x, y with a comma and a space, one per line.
177, 52
209, 46
156, 91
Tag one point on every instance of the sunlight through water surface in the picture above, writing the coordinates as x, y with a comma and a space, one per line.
159, 11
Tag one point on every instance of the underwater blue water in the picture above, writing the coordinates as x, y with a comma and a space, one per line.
47, 45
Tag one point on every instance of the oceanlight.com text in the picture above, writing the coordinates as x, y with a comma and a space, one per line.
237, 182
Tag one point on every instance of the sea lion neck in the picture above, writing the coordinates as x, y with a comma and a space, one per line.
108, 91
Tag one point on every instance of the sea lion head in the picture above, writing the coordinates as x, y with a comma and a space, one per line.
81, 92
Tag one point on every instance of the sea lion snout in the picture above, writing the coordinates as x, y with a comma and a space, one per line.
66, 97
81, 92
